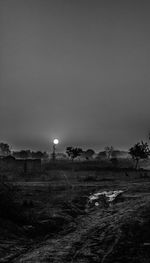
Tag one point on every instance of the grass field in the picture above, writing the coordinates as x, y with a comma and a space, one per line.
57, 227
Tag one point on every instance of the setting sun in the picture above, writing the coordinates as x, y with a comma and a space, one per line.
55, 141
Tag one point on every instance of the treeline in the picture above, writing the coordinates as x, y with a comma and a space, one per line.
138, 152
5, 151
30, 154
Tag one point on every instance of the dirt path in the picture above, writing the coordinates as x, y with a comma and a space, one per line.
94, 240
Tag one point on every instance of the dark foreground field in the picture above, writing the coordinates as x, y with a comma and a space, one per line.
52, 223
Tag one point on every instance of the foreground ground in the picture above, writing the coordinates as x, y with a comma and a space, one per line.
118, 233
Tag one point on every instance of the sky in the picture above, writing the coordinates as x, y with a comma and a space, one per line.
76, 70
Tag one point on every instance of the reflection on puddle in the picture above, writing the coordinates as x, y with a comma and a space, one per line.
104, 198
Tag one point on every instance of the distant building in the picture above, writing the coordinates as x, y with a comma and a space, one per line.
21, 165
29, 165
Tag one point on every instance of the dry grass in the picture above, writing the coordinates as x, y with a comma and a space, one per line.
65, 233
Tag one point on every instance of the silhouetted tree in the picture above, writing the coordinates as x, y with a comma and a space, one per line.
16, 154
89, 154
24, 154
139, 151
73, 152
4, 149
109, 150
37, 154
45, 155
28, 154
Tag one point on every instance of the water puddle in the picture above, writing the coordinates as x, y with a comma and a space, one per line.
104, 198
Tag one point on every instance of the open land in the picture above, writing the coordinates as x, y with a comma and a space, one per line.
57, 226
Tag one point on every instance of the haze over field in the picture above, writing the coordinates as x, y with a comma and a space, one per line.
77, 70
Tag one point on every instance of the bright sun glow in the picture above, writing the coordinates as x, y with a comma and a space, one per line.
55, 141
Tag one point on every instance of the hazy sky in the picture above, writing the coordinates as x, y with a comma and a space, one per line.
78, 70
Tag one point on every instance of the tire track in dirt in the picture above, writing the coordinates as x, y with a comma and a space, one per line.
94, 238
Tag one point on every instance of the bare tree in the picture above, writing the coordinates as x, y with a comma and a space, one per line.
109, 150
